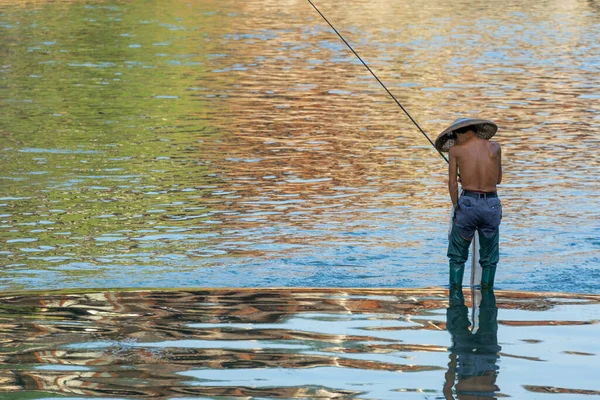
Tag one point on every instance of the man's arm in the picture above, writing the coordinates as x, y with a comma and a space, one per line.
499, 164
452, 175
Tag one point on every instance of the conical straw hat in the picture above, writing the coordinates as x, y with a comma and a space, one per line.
483, 128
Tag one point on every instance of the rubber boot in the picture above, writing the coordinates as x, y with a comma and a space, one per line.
458, 252
456, 275
488, 258
487, 277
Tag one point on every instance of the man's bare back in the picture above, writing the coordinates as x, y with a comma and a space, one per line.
479, 163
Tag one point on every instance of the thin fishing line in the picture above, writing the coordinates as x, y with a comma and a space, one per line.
378, 80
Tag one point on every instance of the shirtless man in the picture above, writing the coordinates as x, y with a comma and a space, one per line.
478, 161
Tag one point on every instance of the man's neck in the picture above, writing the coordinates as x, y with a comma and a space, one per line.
465, 137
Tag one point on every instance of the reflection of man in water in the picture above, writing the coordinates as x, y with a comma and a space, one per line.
473, 356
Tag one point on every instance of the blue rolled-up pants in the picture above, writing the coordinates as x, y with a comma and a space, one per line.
481, 212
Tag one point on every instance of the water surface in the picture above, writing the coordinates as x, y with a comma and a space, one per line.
227, 143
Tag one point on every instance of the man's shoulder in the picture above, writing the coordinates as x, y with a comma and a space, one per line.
495, 145
455, 150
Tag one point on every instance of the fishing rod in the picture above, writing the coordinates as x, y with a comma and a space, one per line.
378, 80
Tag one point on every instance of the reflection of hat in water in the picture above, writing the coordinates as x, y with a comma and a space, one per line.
483, 128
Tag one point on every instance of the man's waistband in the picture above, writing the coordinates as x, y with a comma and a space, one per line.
479, 195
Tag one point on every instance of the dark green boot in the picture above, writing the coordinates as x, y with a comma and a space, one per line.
458, 252
456, 275
487, 277
488, 258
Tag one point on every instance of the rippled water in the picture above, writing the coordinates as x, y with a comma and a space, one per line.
229, 143
299, 344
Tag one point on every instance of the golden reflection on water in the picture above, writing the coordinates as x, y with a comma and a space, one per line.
241, 144
289, 343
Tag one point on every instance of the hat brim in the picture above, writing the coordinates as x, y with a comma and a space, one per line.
483, 128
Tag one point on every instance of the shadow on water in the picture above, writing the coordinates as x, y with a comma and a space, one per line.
296, 343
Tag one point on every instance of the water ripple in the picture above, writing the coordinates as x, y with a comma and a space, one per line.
250, 129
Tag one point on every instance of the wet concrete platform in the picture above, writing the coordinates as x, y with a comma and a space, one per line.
298, 343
